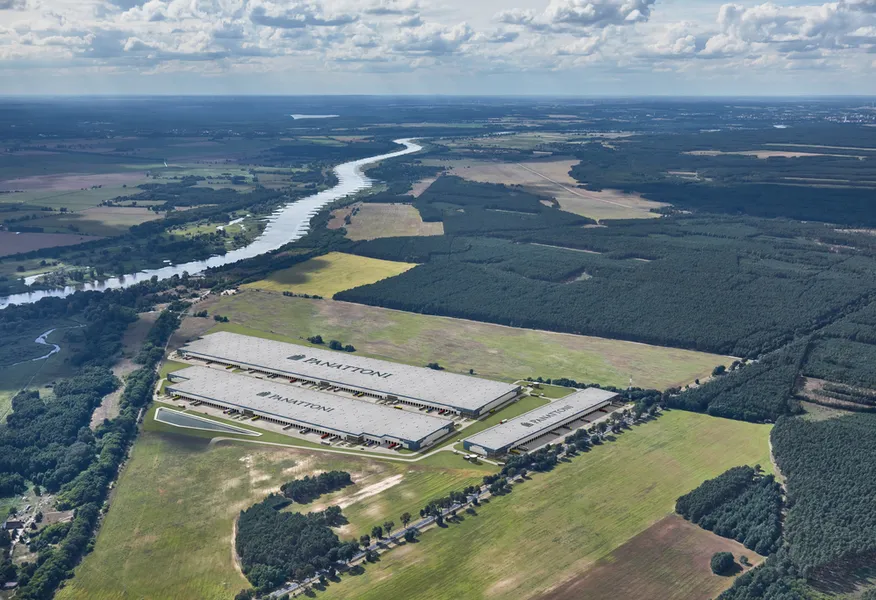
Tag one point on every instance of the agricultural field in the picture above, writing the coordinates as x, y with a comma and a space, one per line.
555, 527
551, 178
329, 274
97, 220
677, 555
169, 532
493, 351
15, 243
371, 221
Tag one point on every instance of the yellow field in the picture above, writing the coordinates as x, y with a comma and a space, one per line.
551, 178
372, 221
327, 275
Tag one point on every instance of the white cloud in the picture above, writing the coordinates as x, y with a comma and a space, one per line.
571, 15
617, 37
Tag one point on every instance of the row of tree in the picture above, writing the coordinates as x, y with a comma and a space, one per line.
308, 489
86, 492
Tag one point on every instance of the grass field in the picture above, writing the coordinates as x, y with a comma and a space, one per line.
556, 526
98, 220
491, 350
327, 275
14, 243
373, 221
168, 532
551, 178
669, 560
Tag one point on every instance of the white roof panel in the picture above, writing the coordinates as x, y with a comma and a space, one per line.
542, 419
304, 406
351, 370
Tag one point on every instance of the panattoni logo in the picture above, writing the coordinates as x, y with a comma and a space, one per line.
296, 357
263, 394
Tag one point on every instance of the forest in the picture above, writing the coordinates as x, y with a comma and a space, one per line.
740, 184
742, 504
822, 461
736, 286
757, 392
276, 546
830, 528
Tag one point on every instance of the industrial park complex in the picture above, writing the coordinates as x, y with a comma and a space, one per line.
349, 399
308, 410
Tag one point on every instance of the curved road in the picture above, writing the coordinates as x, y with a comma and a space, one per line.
288, 224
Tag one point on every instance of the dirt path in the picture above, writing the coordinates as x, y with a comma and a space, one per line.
234, 558
779, 477
366, 492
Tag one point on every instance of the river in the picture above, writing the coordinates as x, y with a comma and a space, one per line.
287, 224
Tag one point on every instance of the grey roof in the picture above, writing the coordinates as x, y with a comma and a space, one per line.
304, 406
351, 370
542, 419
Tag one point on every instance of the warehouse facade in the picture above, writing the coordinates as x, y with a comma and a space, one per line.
531, 426
307, 410
414, 386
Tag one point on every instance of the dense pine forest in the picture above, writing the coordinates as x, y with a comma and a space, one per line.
830, 529
742, 504
736, 286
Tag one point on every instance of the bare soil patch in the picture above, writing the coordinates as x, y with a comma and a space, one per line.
193, 327
69, 181
669, 560
813, 391
551, 178
14, 243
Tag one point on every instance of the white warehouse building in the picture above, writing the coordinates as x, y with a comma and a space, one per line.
307, 410
415, 386
537, 423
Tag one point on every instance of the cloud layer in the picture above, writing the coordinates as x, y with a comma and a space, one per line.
434, 38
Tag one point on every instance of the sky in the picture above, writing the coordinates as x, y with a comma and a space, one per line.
484, 47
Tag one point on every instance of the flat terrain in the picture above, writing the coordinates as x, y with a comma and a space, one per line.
669, 560
551, 178
327, 275
98, 220
169, 531
493, 351
14, 243
372, 221
558, 525
764, 154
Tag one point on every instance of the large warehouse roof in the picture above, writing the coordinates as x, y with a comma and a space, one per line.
344, 369
304, 406
540, 420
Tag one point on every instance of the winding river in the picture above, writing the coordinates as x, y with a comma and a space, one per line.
288, 224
